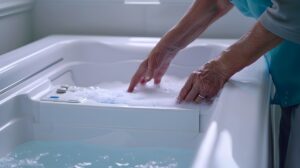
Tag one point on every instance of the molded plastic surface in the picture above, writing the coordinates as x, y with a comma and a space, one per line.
230, 132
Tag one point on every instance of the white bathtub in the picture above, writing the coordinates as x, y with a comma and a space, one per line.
231, 132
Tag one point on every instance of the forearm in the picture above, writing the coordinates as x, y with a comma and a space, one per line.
248, 49
201, 14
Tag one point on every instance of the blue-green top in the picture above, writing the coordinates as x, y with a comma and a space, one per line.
284, 61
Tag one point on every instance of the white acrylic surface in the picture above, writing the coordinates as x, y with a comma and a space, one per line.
230, 132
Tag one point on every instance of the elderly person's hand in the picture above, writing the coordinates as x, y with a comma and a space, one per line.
204, 84
200, 15
154, 67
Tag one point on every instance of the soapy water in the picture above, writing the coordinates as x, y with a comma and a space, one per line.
43, 154
162, 95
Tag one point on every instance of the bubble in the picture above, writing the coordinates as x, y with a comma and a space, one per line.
150, 95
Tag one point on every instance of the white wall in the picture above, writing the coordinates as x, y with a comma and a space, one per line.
15, 24
112, 17
18, 26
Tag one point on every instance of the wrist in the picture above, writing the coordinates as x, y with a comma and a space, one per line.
166, 50
224, 69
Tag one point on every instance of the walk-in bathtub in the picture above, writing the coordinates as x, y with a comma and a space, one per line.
231, 132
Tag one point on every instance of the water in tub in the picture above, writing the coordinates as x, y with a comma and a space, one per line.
44, 154
50, 154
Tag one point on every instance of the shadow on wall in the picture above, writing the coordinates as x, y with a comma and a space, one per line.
104, 17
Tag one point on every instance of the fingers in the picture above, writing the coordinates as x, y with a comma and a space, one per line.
159, 73
202, 85
150, 69
194, 95
145, 73
186, 89
138, 77
199, 99
134, 81
194, 92
149, 75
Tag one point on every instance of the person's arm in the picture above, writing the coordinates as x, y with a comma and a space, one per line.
249, 48
208, 81
201, 14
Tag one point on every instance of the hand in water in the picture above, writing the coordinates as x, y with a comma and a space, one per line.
154, 67
204, 84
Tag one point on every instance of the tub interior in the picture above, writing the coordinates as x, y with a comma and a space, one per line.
96, 63
27, 118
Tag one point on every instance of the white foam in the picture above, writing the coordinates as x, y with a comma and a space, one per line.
12, 161
163, 95
82, 165
153, 164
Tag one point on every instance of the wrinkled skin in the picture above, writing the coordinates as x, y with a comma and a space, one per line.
154, 67
204, 83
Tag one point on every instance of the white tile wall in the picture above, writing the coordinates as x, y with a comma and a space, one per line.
112, 17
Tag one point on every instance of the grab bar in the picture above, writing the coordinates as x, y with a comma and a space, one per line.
2, 91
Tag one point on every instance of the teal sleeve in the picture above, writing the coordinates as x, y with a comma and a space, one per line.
283, 19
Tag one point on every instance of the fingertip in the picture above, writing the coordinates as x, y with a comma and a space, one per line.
131, 87
182, 94
157, 81
145, 80
129, 90
149, 75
